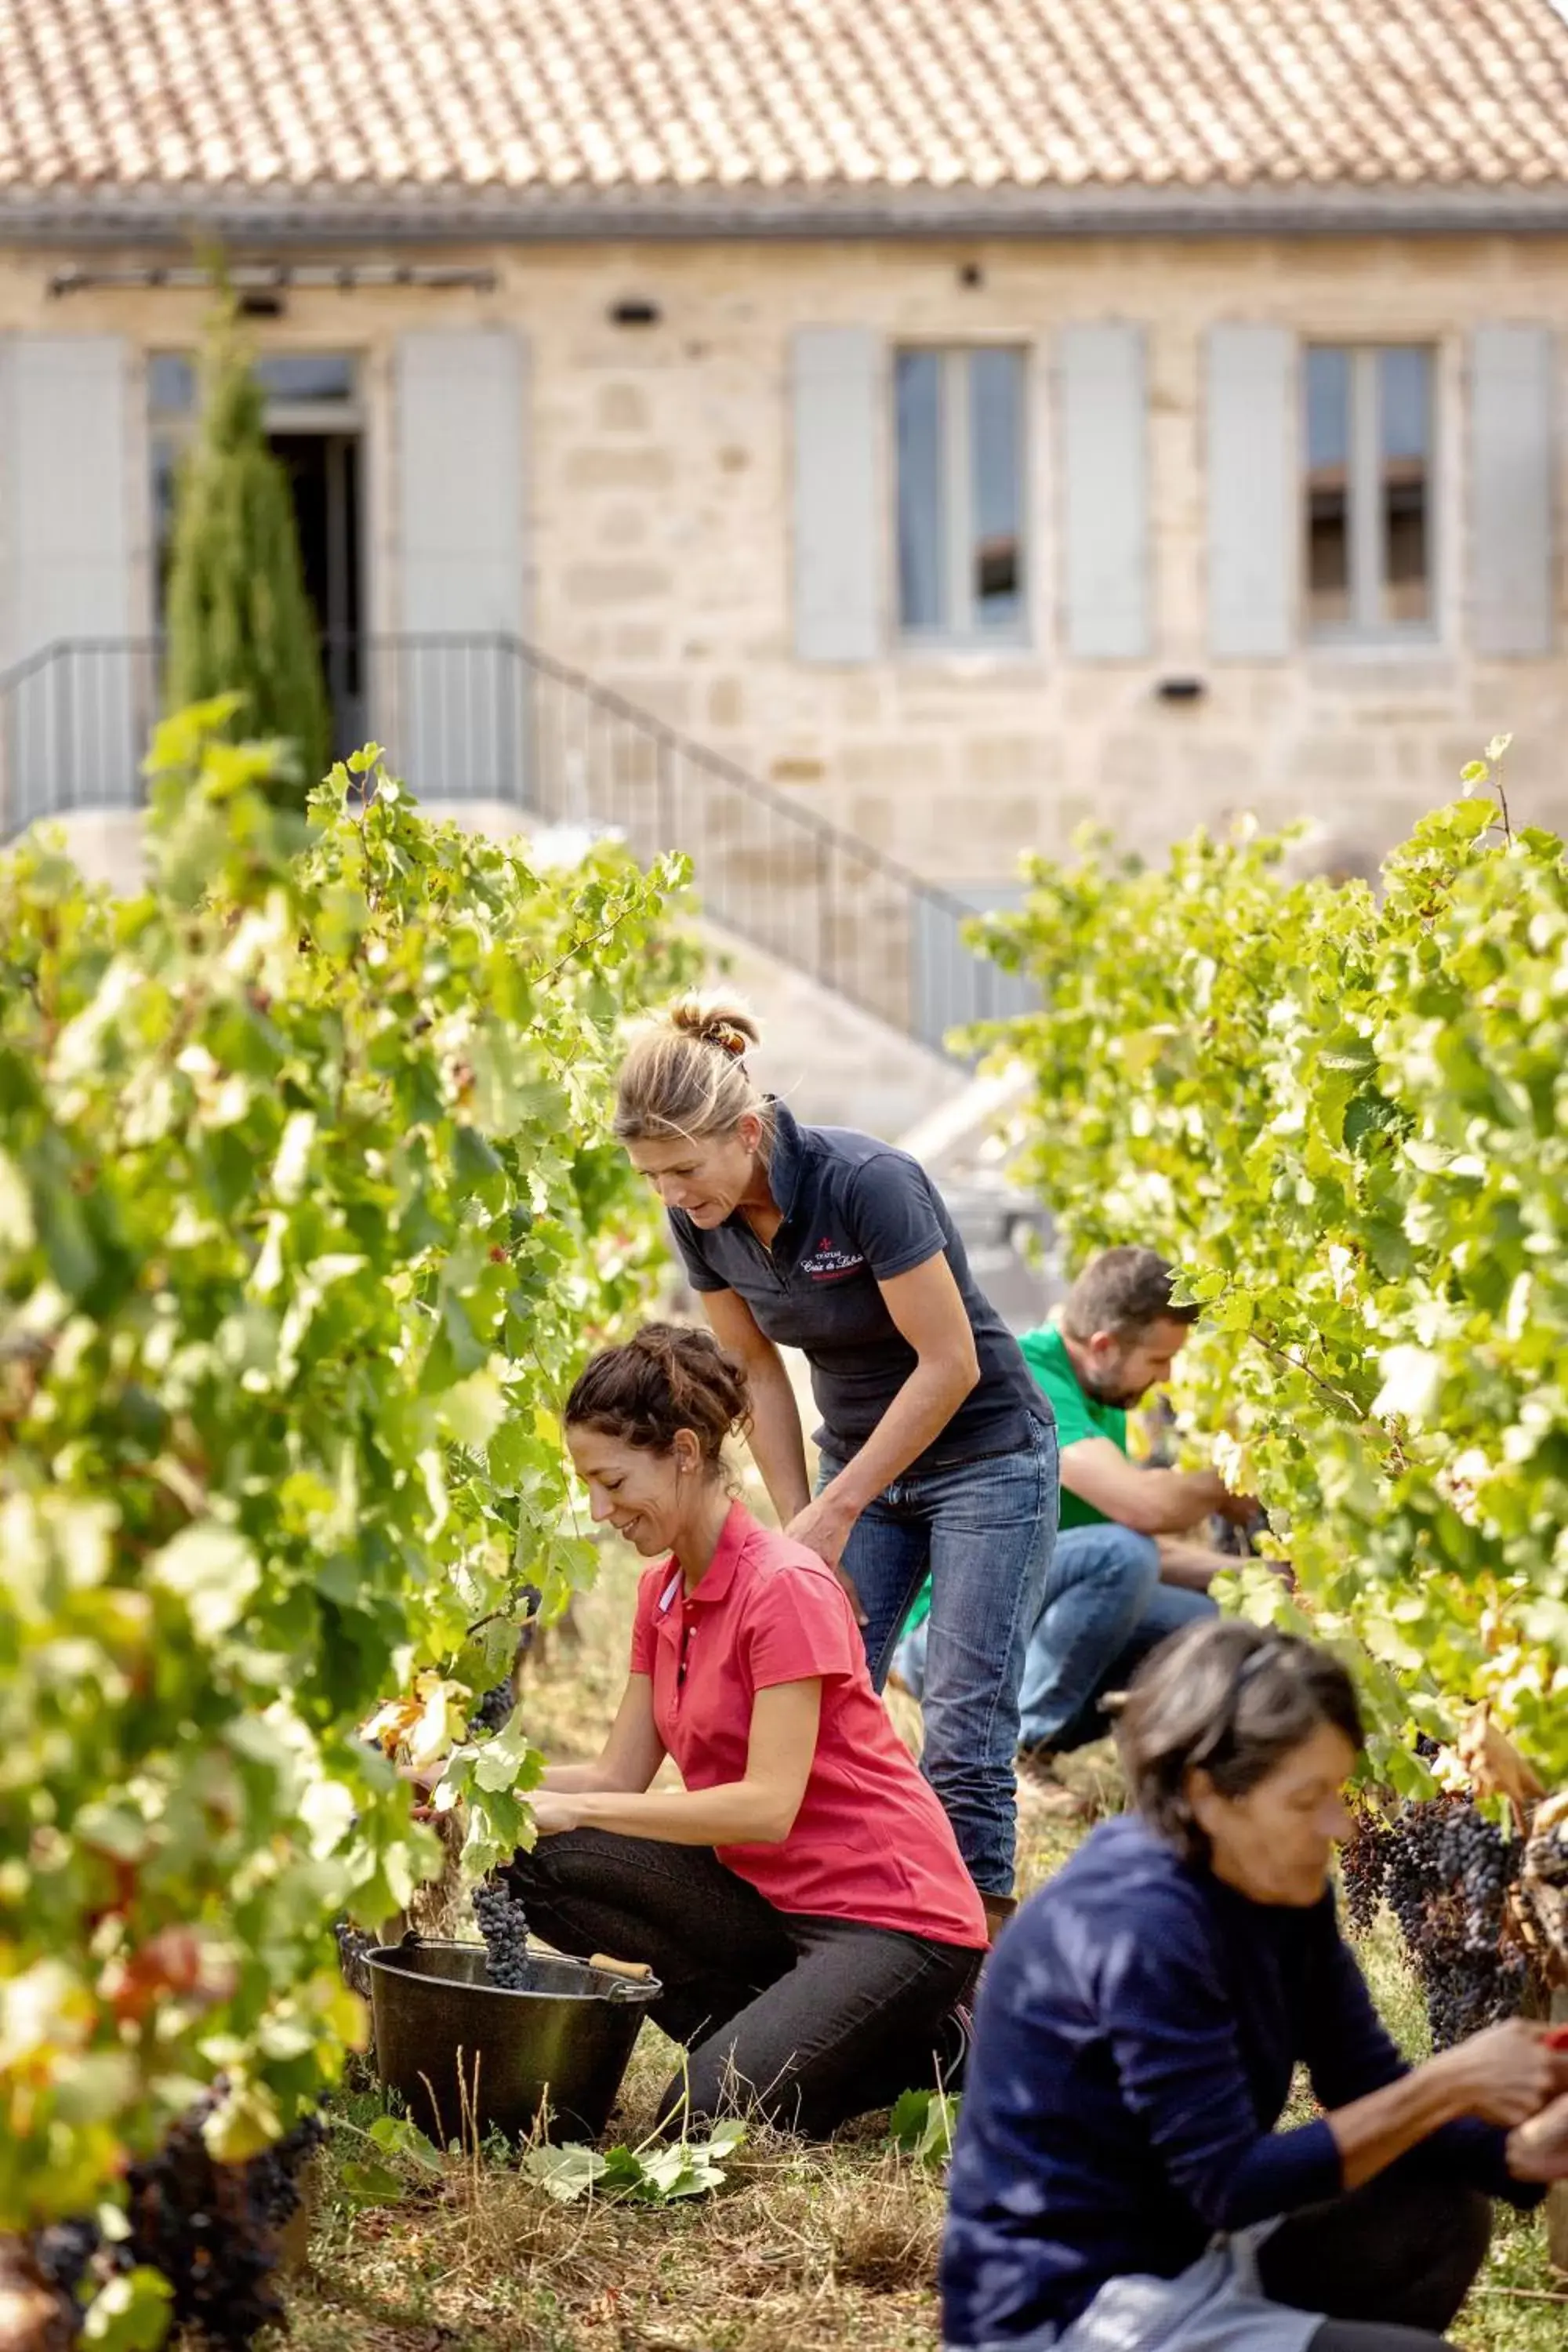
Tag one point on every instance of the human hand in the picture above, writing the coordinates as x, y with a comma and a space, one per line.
1510, 2074
1537, 2150
824, 1527
1238, 1510
553, 1812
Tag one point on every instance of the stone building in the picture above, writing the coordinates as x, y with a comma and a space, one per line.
859, 439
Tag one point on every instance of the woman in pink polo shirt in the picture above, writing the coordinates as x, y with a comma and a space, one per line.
801, 1897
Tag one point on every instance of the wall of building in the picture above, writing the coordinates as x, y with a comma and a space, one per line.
658, 468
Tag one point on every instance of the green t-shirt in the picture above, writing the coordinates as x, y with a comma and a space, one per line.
1078, 1416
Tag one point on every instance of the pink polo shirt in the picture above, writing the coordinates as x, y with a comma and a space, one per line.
870, 1841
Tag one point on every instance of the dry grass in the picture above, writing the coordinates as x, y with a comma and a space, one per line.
804, 2248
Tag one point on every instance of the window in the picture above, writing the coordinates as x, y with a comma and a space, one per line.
1368, 493
297, 385
959, 417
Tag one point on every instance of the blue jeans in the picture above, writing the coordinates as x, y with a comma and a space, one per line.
983, 1530
1102, 1611
1166, 1610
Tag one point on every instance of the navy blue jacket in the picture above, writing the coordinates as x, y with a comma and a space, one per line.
1138, 2027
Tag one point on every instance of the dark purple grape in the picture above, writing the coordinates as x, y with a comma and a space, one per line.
493, 1712
1447, 1874
503, 1923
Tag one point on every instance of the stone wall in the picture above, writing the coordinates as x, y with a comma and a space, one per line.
663, 552
657, 462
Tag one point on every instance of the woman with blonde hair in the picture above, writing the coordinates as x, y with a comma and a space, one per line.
937, 1450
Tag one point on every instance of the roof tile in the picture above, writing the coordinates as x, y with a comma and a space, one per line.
517, 95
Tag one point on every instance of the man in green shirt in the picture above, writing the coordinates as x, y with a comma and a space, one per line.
1126, 1570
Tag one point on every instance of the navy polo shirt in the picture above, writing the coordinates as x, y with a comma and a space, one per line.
1137, 2029
857, 1212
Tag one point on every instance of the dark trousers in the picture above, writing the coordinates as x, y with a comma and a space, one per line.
808, 2021
1390, 2264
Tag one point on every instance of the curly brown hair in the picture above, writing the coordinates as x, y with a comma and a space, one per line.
666, 1379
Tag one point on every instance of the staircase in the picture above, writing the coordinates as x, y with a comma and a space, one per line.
491, 720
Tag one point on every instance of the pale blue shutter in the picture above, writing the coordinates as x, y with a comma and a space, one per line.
1513, 490
837, 385
1253, 538
1104, 441
76, 727
453, 693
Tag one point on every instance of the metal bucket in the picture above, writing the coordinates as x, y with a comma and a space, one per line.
463, 2053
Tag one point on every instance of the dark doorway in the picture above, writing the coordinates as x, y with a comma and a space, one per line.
324, 470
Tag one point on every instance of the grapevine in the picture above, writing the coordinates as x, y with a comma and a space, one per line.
1340, 1112
307, 1202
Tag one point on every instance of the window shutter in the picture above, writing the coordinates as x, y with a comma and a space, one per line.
837, 393
1105, 491
1254, 536
1512, 490
75, 728
458, 708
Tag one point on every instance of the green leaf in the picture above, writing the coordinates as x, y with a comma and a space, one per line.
922, 2124
131, 2313
567, 2172
396, 2136
368, 2184
213, 1571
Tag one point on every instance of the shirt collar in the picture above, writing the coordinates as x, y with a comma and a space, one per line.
719, 1573
787, 1159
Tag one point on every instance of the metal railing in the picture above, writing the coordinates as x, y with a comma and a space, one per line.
492, 719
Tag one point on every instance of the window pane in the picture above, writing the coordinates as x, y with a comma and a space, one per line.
922, 524
1405, 435
171, 383
307, 375
1328, 488
995, 423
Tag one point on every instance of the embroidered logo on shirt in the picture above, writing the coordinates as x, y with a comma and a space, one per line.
829, 1258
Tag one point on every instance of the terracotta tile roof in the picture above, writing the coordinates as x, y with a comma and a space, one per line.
425, 98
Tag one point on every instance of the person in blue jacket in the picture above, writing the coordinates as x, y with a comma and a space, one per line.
1120, 2182
937, 1453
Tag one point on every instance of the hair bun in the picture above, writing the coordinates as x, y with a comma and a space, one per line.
684, 1074
724, 1021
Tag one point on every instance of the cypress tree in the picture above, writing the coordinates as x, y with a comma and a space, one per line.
239, 620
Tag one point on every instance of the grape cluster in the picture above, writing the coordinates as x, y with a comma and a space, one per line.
503, 1923
354, 1948
211, 2229
493, 1712
1362, 1864
532, 1601
63, 2253
1448, 1871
